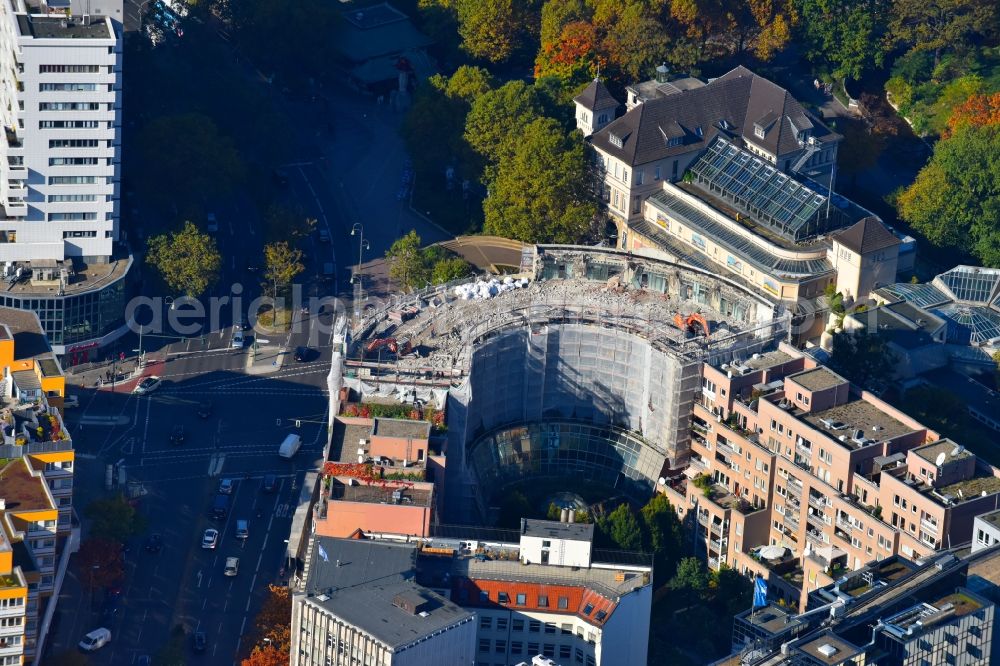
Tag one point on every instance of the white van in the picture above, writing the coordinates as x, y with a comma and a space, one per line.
242, 529
290, 446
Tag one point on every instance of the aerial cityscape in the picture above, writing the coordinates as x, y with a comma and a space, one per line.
500, 332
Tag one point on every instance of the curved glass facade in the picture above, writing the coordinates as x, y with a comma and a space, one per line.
584, 451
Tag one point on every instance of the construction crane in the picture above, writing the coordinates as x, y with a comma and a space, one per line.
399, 347
691, 321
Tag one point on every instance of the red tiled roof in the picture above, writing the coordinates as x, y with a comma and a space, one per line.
577, 598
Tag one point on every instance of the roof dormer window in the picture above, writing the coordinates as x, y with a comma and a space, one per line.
675, 141
758, 131
615, 140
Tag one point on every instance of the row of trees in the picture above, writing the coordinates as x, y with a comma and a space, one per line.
571, 39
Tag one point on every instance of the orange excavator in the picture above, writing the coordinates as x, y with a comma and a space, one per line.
692, 322
398, 347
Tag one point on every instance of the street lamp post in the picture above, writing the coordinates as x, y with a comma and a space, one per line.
359, 230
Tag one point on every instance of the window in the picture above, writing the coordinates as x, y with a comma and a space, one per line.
549, 650
638, 177
543, 601
522, 599
73, 217
517, 625
500, 647
501, 624
550, 627
73, 161
516, 647
503, 598
69, 106
69, 69
78, 234
578, 656
565, 651
534, 626
74, 143
486, 622
674, 170
62, 198
532, 648
563, 603
484, 596
72, 180
567, 629
69, 124
546, 544
656, 173
67, 87
484, 645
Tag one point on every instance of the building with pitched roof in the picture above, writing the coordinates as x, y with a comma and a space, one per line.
735, 175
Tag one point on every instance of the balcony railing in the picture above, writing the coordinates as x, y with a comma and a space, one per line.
846, 526
818, 502
717, 545
792, 522
816, 519
929, 526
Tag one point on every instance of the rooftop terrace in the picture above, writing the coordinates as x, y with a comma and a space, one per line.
379, 494
950, 449
818, 379
20, 490
86, 278
970, 488
401, 428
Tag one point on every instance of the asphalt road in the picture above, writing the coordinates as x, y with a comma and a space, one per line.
251, 414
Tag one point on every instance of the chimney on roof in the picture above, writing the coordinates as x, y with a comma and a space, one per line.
572, 516
564, 516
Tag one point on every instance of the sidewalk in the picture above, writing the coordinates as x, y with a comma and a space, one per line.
267, 359
128, 375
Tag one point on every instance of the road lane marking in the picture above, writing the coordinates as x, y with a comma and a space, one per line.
145, 429
199, 577
253, 583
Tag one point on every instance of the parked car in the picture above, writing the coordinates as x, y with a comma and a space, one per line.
302, 354
210, 538
226, 486
147, 385
270, 483
205, 409
154, 543
238, 340
95, 640
200, 643
324, 235
177, 435
232, 566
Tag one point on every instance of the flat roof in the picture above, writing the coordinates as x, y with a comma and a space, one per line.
20, 490
771, 618
379, 495
88, 277
401, 428
828, 648
971, 487
861, 415
26, 380
359, 581
767, 360
991, 518
553, 529
344, 441
29, 340
930, 452
45, 27
817, 379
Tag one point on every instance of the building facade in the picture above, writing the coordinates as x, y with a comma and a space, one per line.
61, 108
797, 477
36, 487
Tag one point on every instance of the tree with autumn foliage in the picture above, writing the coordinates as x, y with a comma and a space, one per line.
573, 57
266, 655
101, 562
272, 629
977, 111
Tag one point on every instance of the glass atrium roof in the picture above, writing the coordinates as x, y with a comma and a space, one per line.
976, 324
921, 295
969, 283
772, 197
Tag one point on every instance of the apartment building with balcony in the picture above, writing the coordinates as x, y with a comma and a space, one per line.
36, 480
798, 477
60, 104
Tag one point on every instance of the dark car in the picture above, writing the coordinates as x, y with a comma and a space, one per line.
302, 354
270, 483
154, 543
177, 435
205, 409
200, 643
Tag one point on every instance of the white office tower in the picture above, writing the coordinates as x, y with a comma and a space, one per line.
60, 83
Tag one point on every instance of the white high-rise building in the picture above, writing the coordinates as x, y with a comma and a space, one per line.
60, 104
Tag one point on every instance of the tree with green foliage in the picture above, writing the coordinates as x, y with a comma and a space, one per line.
690, 578
955, 200
863, 358
543, 193
450, 268
114, 519
635, 40
665, 534
407, 266
282, 263
188, 260
497, 120
623, 528
489, 28
557, 14
937, 25
731, 591
286, 223
190, 154
466, 84
846, 35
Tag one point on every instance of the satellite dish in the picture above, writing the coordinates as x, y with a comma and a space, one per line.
662, 481
940, 459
